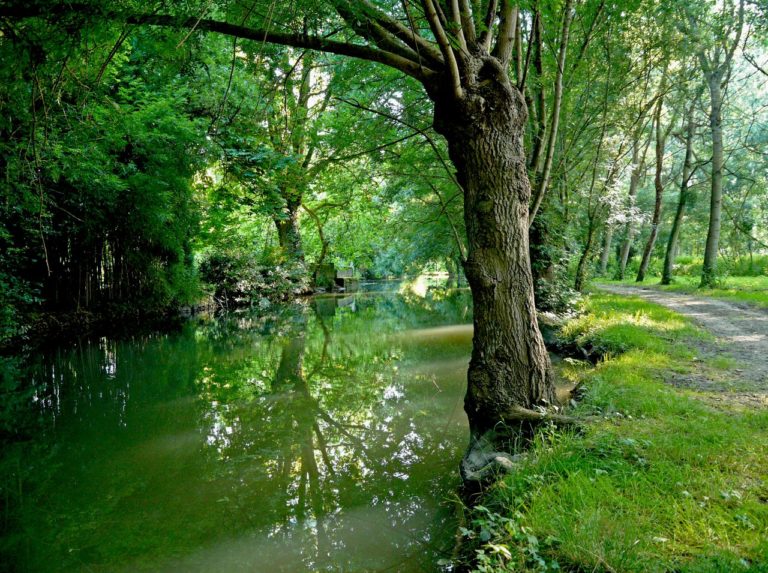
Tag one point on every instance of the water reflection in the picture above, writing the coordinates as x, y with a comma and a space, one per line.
324, 436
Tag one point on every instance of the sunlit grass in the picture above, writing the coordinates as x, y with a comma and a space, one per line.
750, 290
661, 481
615, 324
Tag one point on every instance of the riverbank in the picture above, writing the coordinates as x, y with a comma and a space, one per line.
40, 328
666, 479
118, 320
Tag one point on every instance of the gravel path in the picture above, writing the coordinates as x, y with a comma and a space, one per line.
742, 338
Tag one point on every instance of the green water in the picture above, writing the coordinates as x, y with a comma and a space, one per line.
322, 436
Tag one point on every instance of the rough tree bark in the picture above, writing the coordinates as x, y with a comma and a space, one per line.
510, 366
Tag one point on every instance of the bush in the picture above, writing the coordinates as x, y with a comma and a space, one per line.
754, 266
242, 280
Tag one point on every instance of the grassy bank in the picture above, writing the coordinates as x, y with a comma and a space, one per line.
660, 481
750, 290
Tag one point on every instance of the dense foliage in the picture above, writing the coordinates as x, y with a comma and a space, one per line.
133, 154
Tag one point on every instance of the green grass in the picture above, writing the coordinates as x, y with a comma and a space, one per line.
750, 290
660, 482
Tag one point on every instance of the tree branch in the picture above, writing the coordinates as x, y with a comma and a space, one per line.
506, 36
370, 26
737, 39
467, 23
486, 37
753, 62
397, 61
408, 65
543, 183
457, 24
444, 211
407, 35
520, 414
445, 47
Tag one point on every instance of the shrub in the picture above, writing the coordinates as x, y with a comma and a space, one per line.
241, 280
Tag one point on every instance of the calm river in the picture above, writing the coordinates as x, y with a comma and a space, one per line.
321, 436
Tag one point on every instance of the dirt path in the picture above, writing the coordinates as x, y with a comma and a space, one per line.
742, 341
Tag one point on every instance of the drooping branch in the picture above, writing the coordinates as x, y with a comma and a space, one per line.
454, 230
448, 170
321, 235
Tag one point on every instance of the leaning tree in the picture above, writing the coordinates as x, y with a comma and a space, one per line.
461, 52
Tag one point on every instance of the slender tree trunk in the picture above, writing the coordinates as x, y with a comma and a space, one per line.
586, 254
453, 275
709, 272
543, 177
661, 140
510, 366
638, 166
669, 258
607, 246
459, 272
540, 108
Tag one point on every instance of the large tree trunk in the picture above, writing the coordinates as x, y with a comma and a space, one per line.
510, 366
669, 258
709, 272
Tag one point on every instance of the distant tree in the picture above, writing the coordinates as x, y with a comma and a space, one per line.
716, 34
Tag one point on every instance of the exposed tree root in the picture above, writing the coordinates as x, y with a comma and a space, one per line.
520, 414
484, 461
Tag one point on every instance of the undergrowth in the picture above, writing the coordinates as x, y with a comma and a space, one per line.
661, 482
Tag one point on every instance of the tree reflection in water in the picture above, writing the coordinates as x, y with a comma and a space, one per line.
320, 437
